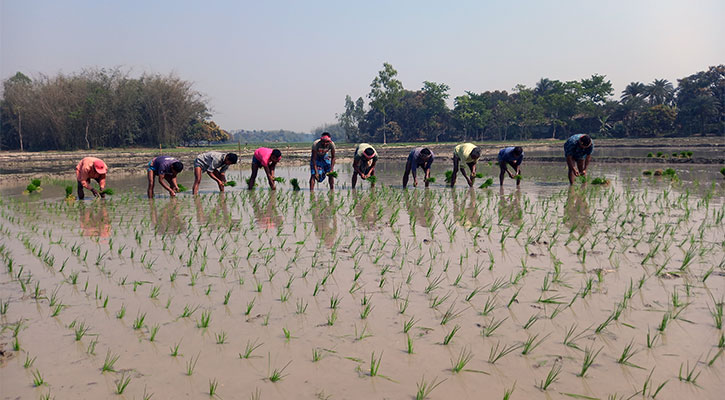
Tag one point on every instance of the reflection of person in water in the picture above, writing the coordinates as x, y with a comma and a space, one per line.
366, 208
266, 212
218, 215
323, 217
509, 207
466, 209
420, 207
576, 211
170, 219
94, 219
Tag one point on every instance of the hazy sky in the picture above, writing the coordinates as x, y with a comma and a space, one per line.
289, 64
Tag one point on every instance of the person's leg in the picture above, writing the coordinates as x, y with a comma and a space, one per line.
405, 175
354, 178
150, 189
253, 178
81, 195
312, 176
502, 166
455, 171
197, 180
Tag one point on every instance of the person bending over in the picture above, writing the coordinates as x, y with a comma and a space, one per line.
363, 163
91, 168
465, 154
512, 156
215, 164
166, 168
266, 159
578, 152
322, 160
419, 157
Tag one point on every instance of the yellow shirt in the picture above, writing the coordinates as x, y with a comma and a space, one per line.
463, 151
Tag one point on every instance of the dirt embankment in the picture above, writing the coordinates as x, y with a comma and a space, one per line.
16, 166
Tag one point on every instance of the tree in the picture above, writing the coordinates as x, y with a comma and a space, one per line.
658, 120
660, 91
385, 93
634, 90
472, 113
16, 92
351, 118
558, 101
435, 110
701, 101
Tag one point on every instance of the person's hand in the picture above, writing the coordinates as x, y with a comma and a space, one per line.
510, 174
176, 189
583, 173
415, 182
221, 186
317, 176
576, 173
95, 192
172, 193
470, 181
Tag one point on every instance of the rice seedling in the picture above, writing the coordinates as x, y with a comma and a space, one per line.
531, 343
295, 184
459, 363
205, 319
175, 349
589, 357
409, 344
425, 388
154, 331
80, 330
276, 374
407, 325
138, 323
250, 348
110, 362
37, 379
492, 326
449, 336
551, 377
28, 361
690, 375
213, 383
627, 354
497, 352
122, 383
375, 364
191, 365
230, 183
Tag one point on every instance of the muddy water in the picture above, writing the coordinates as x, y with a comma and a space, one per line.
346, 273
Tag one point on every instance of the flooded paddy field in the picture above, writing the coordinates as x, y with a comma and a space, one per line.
591, 291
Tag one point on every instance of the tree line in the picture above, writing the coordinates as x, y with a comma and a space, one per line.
550, 109
103, 108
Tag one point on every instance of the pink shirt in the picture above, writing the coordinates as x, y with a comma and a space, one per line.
262, 155
85, 172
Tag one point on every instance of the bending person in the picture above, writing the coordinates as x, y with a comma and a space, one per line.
419, 157
266, 159
215, 164
322, 163
512, 156
91, 168
166, 168
363, 163
468, 154
578, 148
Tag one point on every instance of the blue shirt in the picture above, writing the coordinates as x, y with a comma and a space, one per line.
572, 148
507, 155
416, 159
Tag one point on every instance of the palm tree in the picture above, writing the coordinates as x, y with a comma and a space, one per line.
544, 86
634, 90
660, 91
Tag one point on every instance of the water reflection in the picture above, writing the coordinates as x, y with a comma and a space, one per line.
324, 220
576, 211
464, 207
366, 208
265, 209
509, 207
420, 206
169, 220
94, 219
218, 214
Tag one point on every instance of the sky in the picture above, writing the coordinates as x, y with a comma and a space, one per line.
268, 65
